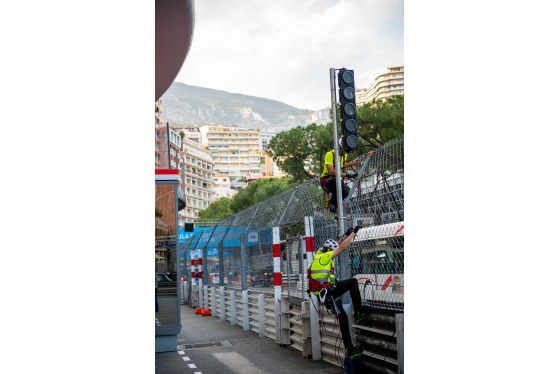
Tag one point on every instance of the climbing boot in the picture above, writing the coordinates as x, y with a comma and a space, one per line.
360, 315
355, 351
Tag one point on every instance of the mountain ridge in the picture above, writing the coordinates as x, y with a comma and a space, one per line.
191, 105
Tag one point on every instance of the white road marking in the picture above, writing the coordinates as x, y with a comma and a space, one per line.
197, 372
186, 359
181, 352
192, 366
238, 363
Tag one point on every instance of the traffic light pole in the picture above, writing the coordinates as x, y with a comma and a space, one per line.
338, 172
343, 258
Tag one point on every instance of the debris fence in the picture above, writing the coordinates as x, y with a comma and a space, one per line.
238, 251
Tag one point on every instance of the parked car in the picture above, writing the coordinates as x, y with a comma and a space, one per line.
214, 278
163, 280
263, 278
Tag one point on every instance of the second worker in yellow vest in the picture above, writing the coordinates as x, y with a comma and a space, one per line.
322, 276
328, 176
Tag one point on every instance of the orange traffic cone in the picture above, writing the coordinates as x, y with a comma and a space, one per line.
206, 312
198, 311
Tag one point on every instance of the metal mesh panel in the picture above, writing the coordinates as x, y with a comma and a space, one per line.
376, 255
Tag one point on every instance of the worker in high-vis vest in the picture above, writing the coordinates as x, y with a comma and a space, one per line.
328, 176
323, 283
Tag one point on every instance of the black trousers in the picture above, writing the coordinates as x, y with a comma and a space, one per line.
338, 290
331, 186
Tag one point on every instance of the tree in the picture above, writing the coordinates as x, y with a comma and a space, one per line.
300, 151
219, 209
380, 121
254, 193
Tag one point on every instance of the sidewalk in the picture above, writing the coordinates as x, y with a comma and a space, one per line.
227, 349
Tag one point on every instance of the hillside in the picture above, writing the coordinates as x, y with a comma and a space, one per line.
184, 104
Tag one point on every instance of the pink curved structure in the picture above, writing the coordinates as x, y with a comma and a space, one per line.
174, 33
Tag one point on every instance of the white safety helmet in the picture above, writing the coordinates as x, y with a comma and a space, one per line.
330, 244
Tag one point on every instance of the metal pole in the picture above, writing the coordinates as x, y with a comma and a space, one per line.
168, 148
205, 258
287, 206
338, 172
343, 258
357, 181
243, 263
177, 269
244, 292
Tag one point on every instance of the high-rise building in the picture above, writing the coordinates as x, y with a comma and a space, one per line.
197, 177
389, 83
193, 134
158, 136
170, 148
223, 186
231, 150
361, 96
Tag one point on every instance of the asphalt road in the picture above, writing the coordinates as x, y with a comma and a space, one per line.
226, 349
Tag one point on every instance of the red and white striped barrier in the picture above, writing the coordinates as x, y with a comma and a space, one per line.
309, 247
192, 268
277, 277
276, 255
200, 287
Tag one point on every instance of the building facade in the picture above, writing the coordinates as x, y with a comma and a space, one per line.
231, 150
158, 141
223, 186
193, 134
197, 177
389, 83
361, 96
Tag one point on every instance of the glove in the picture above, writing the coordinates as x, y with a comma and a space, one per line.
356, 229
349, 231
352, 176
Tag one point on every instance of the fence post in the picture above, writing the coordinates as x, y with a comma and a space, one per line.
206, 305
214, 301
277, 278
244, 291
222, 303
233, 307
199, 254
314, 303
262, 324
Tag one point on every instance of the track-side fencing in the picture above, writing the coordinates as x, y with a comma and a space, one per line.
252, 267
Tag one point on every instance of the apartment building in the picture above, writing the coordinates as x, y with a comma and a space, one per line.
389, 83
158, 136
170, 148
231, 150
193, 134
361, 96
222, 185
197, 177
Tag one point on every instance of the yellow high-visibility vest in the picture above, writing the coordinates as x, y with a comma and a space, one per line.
322, 269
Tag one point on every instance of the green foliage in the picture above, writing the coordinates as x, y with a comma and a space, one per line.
219, 209
300, 150
378, 122
255, 192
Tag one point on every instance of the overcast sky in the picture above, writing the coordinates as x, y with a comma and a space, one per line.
282, 50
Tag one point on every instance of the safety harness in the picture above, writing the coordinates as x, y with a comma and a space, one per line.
324, 179
319, 283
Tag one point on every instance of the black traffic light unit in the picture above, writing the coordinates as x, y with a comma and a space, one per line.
347, 95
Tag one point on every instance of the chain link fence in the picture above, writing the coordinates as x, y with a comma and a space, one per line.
375, 258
